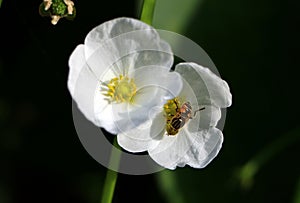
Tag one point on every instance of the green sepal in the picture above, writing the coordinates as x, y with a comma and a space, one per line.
42, 10
73, 15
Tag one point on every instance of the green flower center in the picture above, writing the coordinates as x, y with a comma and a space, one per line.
58, 7
120, 89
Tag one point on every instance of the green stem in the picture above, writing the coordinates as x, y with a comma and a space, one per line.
111, 176
148, 11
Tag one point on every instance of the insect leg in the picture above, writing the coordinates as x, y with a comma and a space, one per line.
198, 110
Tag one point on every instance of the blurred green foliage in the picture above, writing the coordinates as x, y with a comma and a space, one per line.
254, 45
297, 192
246, 173
169, 186
175, 15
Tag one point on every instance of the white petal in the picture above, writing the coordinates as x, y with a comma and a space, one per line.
104, 114
101, 64
85, 90
76, 63
146, 77
155, 54
194, 149
208, 87
114, 28
171, 150
204, 148
143, 137
82, 85
205, 118
209, 117
125, 43
152, 93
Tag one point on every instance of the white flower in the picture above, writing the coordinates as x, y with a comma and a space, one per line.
178, 136
121, 72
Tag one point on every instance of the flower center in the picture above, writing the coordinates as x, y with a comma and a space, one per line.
59, 7
120, 89
171, 107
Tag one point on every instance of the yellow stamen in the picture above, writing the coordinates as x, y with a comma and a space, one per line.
120, 89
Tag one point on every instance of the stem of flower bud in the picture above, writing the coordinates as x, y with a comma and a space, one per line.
111, 176
148, 11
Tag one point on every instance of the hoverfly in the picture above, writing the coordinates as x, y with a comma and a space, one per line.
182, 116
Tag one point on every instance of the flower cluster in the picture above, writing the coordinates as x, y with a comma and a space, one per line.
121, 80
58, 9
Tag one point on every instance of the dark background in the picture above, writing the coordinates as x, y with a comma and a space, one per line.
255, 46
